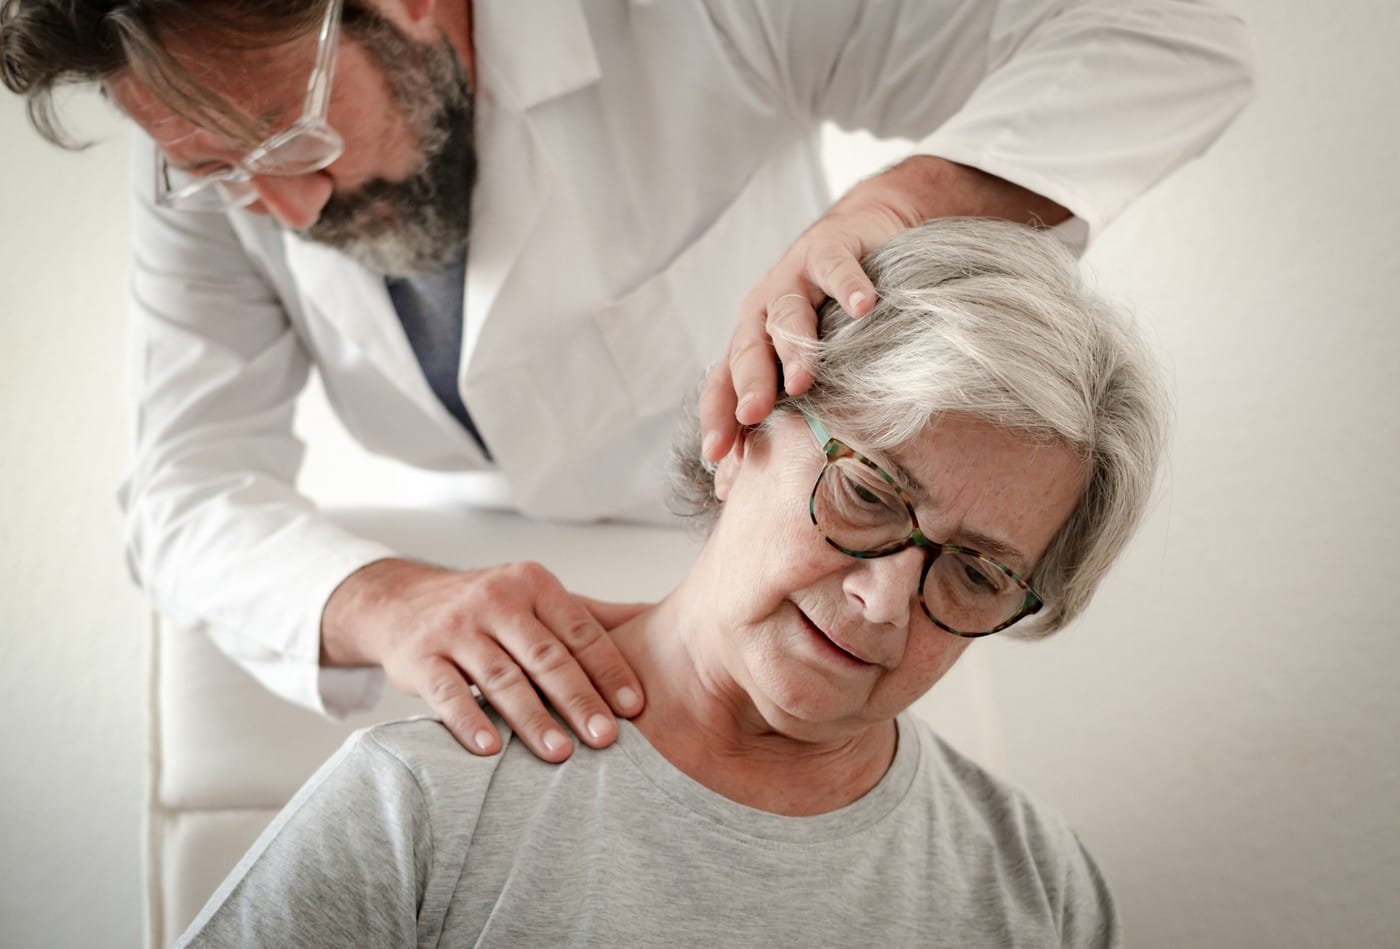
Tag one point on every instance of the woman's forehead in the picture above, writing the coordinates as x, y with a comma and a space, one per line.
1002, 491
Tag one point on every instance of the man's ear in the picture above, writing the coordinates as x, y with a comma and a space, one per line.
418, 9
728, 468
405, 12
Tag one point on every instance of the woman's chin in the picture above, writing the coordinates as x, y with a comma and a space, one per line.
803, 704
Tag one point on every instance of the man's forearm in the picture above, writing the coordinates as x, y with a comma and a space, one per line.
923, 187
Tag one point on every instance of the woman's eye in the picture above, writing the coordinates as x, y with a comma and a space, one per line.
861, 495
983, 579
868, 496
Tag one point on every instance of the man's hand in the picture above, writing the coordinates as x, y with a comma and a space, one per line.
825, 262
506, 630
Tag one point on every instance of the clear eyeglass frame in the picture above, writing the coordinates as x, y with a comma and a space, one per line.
307, 145
835, 450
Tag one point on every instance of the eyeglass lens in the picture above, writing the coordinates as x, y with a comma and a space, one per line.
307, 145
863, 515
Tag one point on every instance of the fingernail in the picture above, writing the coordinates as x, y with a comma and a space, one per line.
707, 444
857, 299
598, 727
482, 740
553, 740
748, 397
627, 697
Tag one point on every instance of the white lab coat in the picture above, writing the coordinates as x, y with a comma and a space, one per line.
641, 165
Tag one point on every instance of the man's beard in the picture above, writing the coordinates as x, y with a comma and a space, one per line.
401, 228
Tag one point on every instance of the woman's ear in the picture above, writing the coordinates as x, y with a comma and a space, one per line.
728, 468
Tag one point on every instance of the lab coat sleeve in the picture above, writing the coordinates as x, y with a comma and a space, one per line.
1086, 102
215, 532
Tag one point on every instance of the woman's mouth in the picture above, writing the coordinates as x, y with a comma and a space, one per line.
830, 646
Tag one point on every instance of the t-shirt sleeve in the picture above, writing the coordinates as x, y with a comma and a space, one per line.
1088, 917
353, 859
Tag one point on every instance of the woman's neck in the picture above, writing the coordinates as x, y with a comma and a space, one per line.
700, 720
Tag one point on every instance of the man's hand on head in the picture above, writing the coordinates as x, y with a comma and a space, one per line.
825, 263
507, 630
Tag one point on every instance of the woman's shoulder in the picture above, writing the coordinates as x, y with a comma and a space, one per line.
969, 782
422, 747
987, 806
982, 817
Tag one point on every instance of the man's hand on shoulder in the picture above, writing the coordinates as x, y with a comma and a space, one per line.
507, 630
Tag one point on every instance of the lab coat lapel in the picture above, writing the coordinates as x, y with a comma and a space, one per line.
354, 300
526, 56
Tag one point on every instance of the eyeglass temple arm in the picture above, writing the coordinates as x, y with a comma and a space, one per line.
819, 432
319, 87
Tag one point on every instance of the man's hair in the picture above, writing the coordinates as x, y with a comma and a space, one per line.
47, 44
991, 320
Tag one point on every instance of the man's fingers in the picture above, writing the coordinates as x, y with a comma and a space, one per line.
565, 653
611, 615
508, 631
754, 368
839, 274
442, 685
558, 673
502, 681
793, 315
574, 690
824, 262
603, 661
717, 404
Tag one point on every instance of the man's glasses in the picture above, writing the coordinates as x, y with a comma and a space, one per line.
862, 512
308, 144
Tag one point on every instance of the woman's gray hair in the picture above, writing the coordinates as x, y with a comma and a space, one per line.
993, 320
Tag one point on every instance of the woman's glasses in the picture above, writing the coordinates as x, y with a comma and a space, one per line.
862, 512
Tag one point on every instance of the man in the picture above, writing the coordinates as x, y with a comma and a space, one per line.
625, 171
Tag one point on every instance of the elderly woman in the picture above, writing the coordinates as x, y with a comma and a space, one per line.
972, 456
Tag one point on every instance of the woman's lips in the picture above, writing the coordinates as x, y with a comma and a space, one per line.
832, 644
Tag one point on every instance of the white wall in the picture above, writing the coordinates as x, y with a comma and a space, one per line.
1221, 726
71, 649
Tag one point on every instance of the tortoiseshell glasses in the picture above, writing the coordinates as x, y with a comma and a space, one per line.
862, 512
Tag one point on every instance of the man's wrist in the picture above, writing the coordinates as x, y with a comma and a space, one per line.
351, 609
923, 187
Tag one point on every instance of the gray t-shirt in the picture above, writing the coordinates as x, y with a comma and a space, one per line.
404, 839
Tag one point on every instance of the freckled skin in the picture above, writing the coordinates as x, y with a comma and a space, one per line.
777, 567
747, 692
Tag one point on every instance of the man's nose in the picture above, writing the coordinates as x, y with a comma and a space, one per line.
886, 588
297, 200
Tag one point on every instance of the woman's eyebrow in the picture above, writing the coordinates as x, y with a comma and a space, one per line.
906, 480
998, 550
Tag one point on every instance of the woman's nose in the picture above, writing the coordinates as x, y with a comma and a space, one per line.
887, 588
296, 201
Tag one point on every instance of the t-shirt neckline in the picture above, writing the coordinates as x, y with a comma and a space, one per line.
867, 810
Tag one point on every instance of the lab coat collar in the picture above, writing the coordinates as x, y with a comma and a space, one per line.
528, 54
531, 53
355, 300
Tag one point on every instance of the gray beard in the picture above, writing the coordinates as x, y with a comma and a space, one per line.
420, 224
